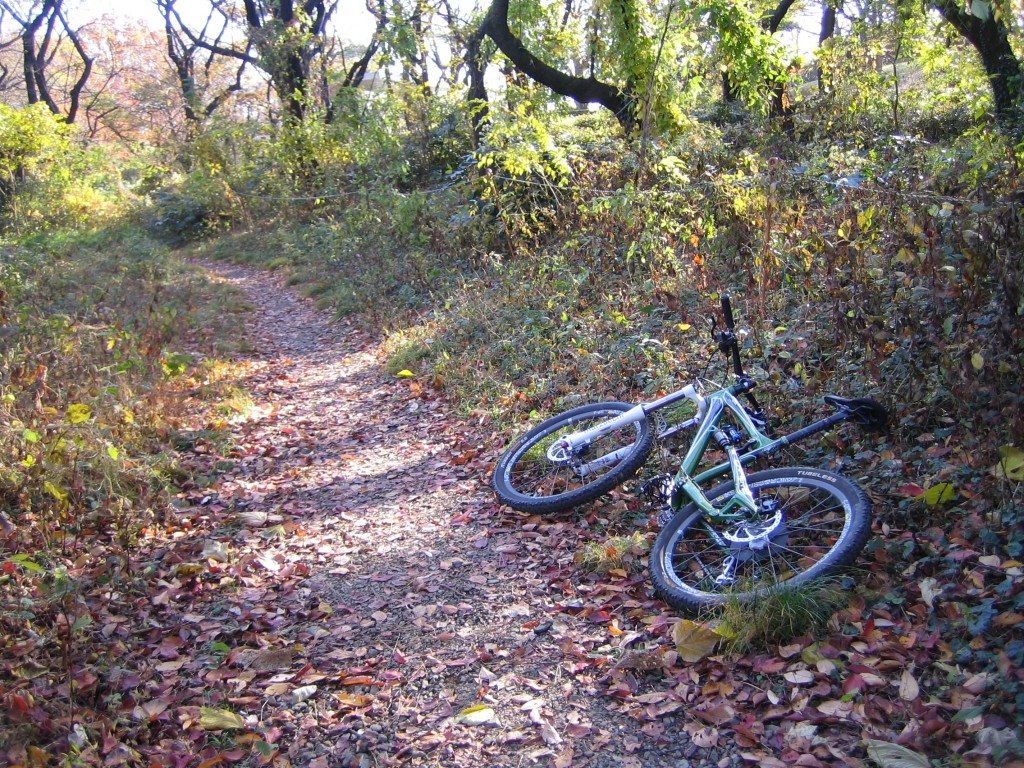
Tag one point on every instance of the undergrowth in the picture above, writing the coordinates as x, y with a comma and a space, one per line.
103, 336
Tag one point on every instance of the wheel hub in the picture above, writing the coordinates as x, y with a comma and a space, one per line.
559, 452
755, 535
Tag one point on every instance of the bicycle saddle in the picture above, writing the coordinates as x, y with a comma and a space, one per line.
863, 411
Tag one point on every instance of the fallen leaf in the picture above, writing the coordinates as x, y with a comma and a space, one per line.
215, 550
800, 677
212, 719
353, 699
939, 494
909, 689
694, 641
475, 715
929, 591
706, 737
78, 413
271, 661
836, 708
888, 755
547, 731
718, 715
301, 694
1011, 463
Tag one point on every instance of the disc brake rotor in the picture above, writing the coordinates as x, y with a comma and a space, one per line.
756, 535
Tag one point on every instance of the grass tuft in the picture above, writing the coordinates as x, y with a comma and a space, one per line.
619, 553
780, 615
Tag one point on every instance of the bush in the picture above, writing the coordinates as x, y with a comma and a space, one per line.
176, 219
47, 178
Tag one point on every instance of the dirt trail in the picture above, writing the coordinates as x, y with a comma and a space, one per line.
377, 567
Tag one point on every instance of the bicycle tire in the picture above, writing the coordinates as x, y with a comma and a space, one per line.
687, 559
525, 479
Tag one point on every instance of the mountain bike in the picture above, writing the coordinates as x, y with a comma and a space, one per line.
752, 533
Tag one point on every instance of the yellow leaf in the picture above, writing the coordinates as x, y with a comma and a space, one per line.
37, 758
405, 374
353, 699
54, 491
939, 494
1011, 463
684, 326
212, 719
475, 715
78, 413
977, 361
694, 641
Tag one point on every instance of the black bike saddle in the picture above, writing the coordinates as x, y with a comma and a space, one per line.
863, 411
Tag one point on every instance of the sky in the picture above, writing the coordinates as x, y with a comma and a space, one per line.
352, 19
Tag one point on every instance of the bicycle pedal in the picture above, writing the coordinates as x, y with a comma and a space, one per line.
665, 516
658, 489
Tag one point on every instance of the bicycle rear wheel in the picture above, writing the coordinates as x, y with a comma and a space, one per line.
811, 524
527, 479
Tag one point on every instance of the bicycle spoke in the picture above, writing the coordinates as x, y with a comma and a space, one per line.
802, 524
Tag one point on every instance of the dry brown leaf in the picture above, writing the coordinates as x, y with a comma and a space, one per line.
799, 677
564, 758
706, 737
547, 730
271, 661
694, 641
909, 689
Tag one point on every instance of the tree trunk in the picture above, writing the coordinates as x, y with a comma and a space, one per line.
37, 55
587, 90
477, 95
780, 105
991, 38
828, 30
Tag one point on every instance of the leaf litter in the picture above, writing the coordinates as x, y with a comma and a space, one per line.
338, 587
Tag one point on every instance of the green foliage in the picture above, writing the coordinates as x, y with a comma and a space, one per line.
29, 138
177, 217
526, 175
47, 176
751, 57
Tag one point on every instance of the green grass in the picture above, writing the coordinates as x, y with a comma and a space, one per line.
779, 615
618, 553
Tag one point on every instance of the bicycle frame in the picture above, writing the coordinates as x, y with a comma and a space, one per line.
565, 449
712, 410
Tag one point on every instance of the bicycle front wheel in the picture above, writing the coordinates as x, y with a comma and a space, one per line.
527, 478
810, 524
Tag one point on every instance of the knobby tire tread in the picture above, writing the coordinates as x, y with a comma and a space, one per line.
838, 558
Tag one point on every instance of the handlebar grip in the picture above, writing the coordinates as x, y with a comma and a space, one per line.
727, 311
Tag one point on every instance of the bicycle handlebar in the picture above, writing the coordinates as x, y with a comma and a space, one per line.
727, 311
728, 343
